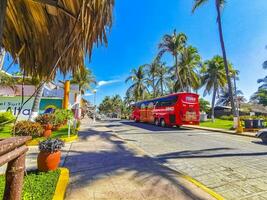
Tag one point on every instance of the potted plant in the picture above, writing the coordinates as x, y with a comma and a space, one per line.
46, 120
49, 155
28, 128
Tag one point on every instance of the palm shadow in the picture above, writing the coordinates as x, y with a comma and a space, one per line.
87, 166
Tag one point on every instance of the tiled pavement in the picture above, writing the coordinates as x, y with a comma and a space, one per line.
233, 166
104, 167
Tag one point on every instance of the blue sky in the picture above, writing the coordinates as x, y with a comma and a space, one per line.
140, 24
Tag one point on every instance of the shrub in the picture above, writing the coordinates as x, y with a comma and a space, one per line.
45, 119
227, 117
6, 116
27, 128
51, 145
61, 116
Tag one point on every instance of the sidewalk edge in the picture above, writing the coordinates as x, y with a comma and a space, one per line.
218, 130
62, 184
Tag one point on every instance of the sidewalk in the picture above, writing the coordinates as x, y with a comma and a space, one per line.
248, 134
103, 166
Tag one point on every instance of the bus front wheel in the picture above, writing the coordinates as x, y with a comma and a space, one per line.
162, 123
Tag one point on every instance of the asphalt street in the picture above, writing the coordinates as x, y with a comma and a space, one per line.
233, 166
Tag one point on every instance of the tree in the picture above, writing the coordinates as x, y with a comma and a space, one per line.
174, 44
224, 97
152, 71
260, 97
189, 61
204, 105
7, 81
213, 78
163, 78
84, 78
219, 4
139, 87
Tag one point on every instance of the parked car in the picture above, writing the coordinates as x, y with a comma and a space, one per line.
262, 134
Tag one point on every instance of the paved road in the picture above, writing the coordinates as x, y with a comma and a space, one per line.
233, 166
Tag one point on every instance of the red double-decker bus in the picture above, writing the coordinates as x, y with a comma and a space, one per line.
172, 110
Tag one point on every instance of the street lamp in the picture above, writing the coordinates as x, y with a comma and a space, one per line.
94, 115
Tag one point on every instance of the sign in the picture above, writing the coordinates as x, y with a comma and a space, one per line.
13, 104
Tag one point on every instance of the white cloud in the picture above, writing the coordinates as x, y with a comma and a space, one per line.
88, 94
102, 83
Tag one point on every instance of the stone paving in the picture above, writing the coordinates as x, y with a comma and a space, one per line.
233, 166
103, 166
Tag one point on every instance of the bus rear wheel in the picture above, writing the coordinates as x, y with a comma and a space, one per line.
156, 121
162, 123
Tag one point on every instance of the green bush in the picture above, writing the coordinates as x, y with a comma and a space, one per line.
28, 128
227, 117
61, 116
245, 117
37, 185
6, 116
45, 119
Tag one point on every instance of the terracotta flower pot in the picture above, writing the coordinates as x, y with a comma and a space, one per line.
47, 130
47, 161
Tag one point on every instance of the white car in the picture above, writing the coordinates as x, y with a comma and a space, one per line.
262, 134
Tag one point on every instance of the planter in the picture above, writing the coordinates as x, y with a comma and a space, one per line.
47, 161
56, 127
47, 130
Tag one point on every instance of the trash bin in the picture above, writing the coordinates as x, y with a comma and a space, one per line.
258, 123
248, 123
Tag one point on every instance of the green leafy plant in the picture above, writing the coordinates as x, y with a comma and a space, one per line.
51, 145
36, 185
6, 116
227, 117
45, 119
28, 128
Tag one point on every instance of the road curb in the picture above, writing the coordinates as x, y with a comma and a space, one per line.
62, 184
219, 130
179, 174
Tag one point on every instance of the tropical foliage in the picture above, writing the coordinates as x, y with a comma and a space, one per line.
84, 78
219, 5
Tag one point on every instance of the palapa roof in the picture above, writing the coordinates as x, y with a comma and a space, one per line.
43, 29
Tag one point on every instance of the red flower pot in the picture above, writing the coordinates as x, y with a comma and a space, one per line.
47, 161
47, 130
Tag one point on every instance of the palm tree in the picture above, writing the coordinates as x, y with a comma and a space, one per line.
152, 71
189, 61
219, 4
7, 81
213, 78
84, 78
224, 97
138, 89
163, 78
174, 44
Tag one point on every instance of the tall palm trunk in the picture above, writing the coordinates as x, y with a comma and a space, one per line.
36, 103
219, 21
177, 72
153, 84
2, 57
213, 103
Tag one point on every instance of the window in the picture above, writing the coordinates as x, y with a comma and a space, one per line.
167, 101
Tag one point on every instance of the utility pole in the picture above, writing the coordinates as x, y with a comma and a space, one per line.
94, 116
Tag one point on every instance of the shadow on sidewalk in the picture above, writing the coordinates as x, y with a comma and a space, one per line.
112, 158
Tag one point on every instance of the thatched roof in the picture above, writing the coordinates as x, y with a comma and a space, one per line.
44, 28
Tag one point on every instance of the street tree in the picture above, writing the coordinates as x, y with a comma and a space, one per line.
219, 5
174, 44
